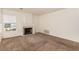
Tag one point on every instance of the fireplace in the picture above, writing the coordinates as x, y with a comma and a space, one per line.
27, 30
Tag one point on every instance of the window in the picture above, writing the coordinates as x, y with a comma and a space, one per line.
9, 22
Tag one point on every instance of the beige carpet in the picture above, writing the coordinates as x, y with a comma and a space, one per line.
38, 42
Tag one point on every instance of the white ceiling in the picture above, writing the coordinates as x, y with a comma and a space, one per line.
37, 11
40, 11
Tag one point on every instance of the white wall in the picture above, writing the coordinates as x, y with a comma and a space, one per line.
35, 23
63, 23
22, 19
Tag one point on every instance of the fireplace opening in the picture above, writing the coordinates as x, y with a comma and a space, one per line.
27, 31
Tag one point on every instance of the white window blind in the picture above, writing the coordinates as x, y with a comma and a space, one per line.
9, 19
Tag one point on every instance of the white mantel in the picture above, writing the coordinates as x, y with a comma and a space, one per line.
27, 26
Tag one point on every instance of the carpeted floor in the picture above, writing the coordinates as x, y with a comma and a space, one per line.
38, 42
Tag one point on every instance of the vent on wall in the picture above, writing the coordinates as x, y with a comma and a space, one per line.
46, 31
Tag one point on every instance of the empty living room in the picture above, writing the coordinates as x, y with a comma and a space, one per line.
39, 29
